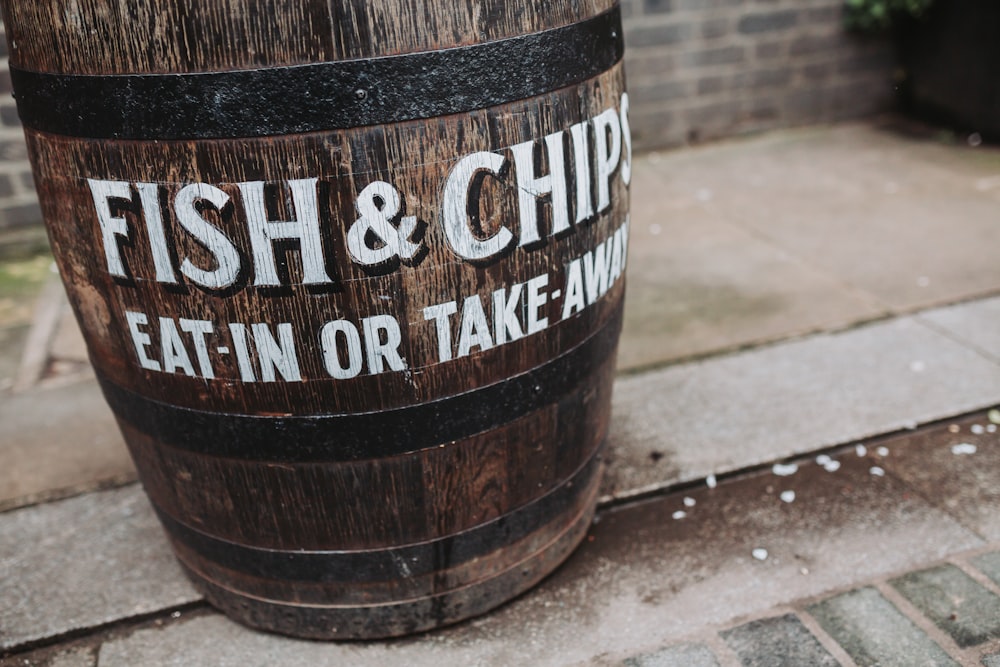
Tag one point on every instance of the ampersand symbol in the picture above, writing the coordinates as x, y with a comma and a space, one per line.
379, 204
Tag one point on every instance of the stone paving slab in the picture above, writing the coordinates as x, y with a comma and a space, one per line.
697, 284
685, 422
882, 246
74, 656
642, 580
58, 441
967, 448
80, 658
976, 324
910, 223
83, 562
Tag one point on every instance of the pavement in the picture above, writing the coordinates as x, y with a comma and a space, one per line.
804, 459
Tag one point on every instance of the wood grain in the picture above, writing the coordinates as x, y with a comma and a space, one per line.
100, 37
447, 492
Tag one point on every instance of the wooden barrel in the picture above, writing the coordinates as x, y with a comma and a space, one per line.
351, 277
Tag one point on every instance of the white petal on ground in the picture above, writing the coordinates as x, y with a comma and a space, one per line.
831, 466
963, 448
711, 482
759, 553
784, 469
860, 450
977, 429
822, 459
679, 514
875, 471
788, 496
882, 451
689, 502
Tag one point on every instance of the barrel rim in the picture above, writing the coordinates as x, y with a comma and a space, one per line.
326, 96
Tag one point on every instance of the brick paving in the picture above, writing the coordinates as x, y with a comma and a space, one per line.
888, 621
876, 541
953, 601
870, 629
780, 639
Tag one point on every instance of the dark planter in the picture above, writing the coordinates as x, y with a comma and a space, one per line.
951, 58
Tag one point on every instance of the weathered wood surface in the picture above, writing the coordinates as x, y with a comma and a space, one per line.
99, 37
415, 157
411, 373
378, 503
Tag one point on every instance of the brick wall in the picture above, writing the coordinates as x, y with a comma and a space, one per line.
697, 69
705, 69
18, 205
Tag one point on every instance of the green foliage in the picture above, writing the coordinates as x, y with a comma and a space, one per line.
875, 15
